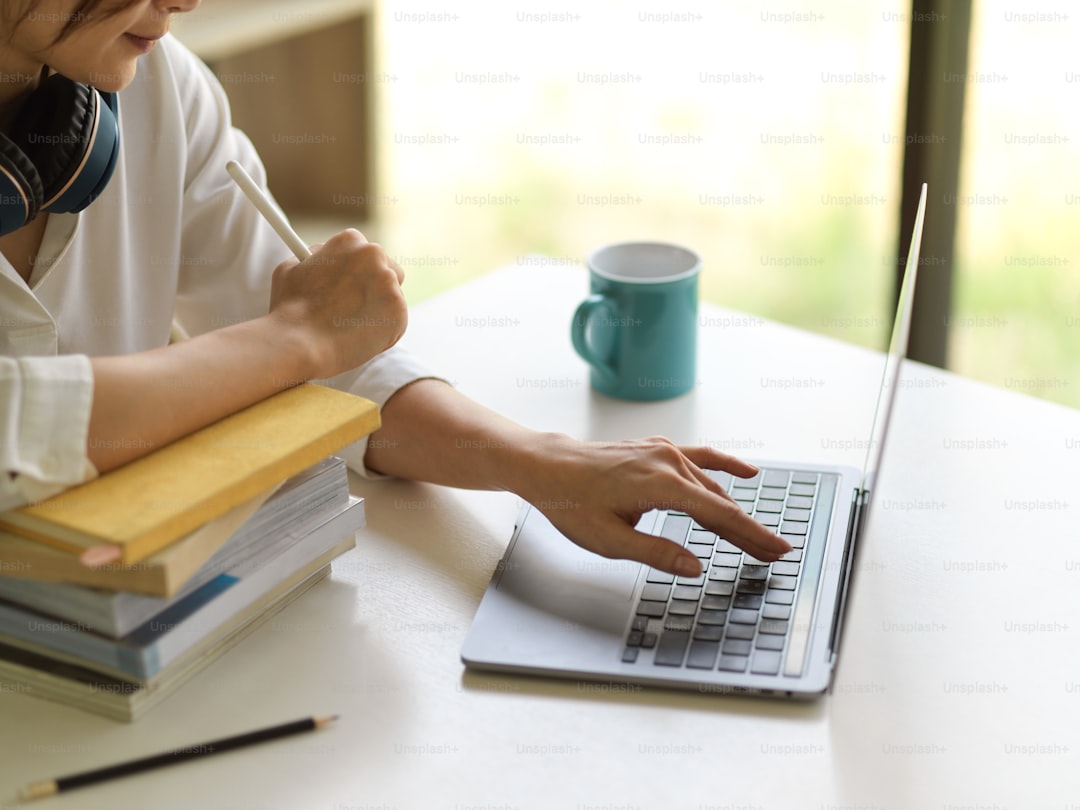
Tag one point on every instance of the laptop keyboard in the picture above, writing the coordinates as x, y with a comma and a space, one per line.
740, 615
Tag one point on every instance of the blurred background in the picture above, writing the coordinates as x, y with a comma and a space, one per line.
767, 136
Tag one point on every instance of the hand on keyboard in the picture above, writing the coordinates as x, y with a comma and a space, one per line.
596, 492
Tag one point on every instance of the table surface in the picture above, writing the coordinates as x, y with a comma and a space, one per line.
958, 684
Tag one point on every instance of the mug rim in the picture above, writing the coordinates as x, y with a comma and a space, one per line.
694, 269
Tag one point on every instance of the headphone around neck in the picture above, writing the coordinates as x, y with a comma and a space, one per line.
59, 153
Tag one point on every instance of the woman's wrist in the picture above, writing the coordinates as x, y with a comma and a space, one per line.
535, 462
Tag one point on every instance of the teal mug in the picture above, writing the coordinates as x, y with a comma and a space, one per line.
638, 328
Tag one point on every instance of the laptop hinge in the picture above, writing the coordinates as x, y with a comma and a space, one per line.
859, 499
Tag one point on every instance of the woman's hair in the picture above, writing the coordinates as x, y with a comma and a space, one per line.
85, 12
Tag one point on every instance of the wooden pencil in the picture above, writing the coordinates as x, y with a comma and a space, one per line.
50, 787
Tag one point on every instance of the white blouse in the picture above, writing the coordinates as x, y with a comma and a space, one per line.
171, 236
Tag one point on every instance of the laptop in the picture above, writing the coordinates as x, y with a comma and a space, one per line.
742, 626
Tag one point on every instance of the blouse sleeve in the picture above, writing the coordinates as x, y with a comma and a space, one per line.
44, 424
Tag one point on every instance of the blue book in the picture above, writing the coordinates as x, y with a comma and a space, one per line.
168, 636
297, 507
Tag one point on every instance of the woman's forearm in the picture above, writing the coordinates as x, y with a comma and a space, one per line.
146, 400
330, 313
431, 432
593, 492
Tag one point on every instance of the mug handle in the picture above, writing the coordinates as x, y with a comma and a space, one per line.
578, 328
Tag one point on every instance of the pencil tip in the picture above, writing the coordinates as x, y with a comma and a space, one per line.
38, 790
325, 720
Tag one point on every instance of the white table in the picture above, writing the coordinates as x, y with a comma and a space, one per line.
959, 681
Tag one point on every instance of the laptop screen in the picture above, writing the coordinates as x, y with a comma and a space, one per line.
897, 348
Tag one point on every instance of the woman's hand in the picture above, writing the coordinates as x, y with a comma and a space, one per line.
344, 304
596, 492
593, 492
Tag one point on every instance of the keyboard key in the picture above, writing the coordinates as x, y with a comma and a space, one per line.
748, 600
776, 612
743, 616
702, 654
787, 569
807, 490
680, 607
800, 501
750, 586
752, 572
772, 494
740, 631
654, 592
700, 550
795, 555
629, 655
634, 639
727, 559
708, 632
732, 663
736, 647
747, 506
765, 662
770, 506
688, 592
723, 574
710, 602
727, 545
767, 519
782, 583
780, 597
648, 640
792, 527
804, 478
702, 536
654, 609
671, 649
741, 493
660, 577
719, 588
773, 627
698, 580
795, 540
797, 515
775, 478
769, 642
683, 623
640, 623
713, 617
675, 528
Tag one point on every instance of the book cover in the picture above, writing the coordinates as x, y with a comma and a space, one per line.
161, 574
300, 505
145, 505
169, 635
126, 700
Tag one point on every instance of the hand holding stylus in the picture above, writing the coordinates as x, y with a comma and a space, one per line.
344, 302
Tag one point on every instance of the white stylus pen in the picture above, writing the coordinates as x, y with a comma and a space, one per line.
267, 209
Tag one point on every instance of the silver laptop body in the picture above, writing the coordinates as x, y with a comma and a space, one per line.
553, 608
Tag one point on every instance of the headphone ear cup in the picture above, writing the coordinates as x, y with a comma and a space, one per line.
72, 137
52, 128
20, 187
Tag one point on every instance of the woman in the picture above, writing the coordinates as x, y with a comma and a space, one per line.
88, 379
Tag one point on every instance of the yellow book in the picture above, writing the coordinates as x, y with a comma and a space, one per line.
161, 574
145, 505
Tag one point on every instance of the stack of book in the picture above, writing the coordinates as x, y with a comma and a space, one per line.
115, 593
